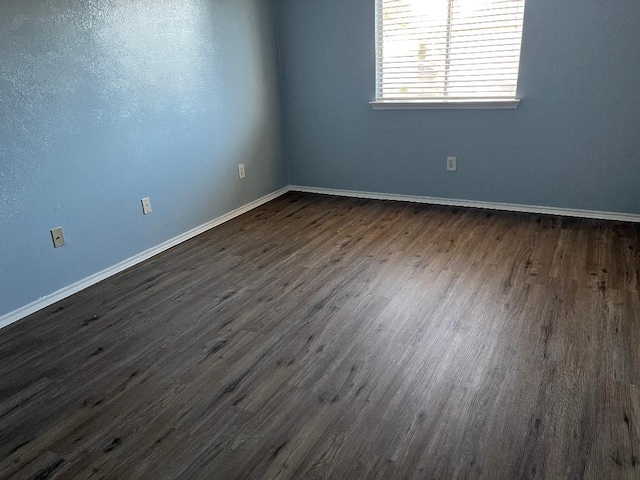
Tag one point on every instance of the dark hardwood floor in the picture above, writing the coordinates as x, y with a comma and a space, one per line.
323, 337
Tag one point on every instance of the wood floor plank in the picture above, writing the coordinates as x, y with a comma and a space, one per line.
327, 337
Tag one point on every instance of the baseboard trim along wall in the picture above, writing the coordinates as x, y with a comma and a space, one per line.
65, 292
511, 207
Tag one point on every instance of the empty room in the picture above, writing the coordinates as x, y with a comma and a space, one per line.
319, 239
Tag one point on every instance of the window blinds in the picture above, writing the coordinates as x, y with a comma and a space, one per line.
448, 49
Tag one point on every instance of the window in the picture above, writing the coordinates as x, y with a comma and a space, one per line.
447, 53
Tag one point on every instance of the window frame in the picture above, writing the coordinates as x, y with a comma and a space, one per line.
439, 103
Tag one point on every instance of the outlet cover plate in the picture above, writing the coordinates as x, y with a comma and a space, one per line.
146, 206
57, 235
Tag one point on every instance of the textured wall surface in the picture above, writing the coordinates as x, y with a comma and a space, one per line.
573, 143
103, 102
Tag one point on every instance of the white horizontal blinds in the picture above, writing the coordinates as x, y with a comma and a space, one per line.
452, 49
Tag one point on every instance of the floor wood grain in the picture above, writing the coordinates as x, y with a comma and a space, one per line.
324, 337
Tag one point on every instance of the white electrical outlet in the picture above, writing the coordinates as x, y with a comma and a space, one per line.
451, 164
241, 172
57, 235
146, 206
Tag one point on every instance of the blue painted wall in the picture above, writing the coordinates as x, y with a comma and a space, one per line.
573, 143
103, 102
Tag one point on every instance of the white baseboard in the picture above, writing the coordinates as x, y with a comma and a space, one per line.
65, 292
511, 207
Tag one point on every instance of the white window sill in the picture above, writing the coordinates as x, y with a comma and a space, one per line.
466, 104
